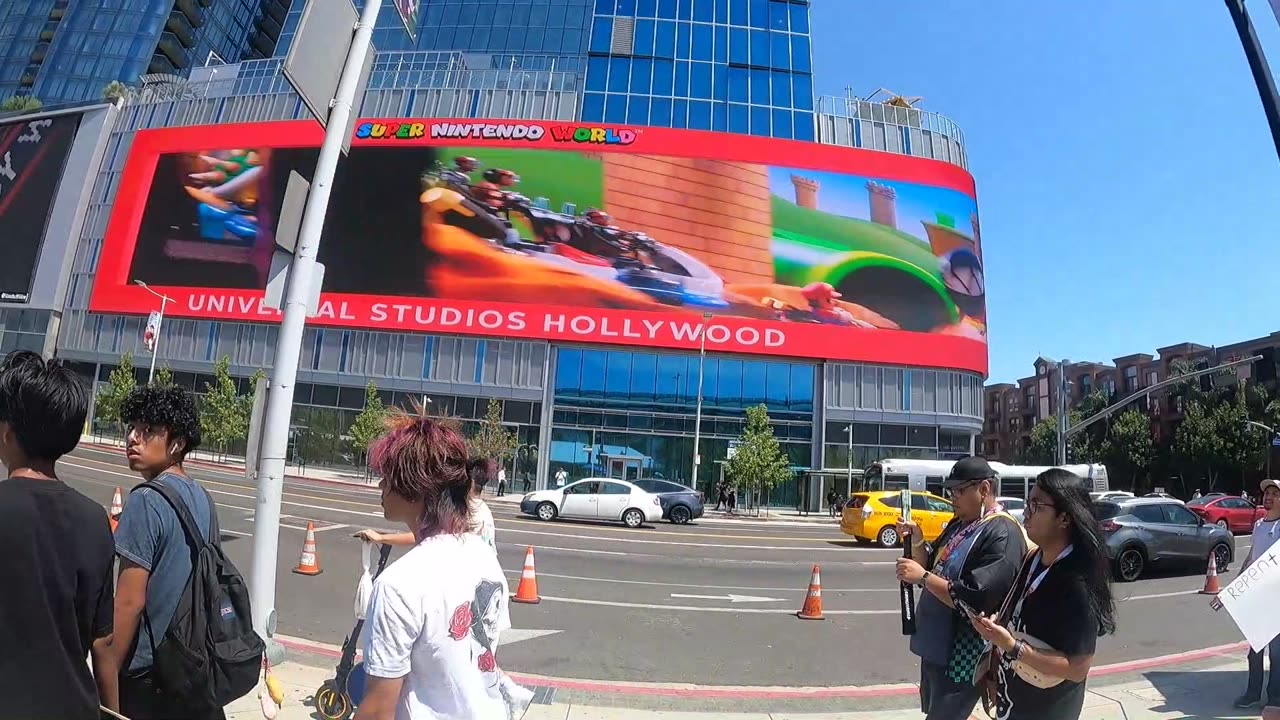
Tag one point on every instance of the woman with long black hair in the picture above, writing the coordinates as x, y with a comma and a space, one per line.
1045, 636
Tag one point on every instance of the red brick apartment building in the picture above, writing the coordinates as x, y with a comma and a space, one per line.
1012, 409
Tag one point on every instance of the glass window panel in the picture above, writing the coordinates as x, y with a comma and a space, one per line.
738, 12
754, 382
683, 34
644, 377
593, 372
605, 7
802, 91
760, 13
739, 119
894, 435
759, 48
641, 76
760, 121
800, 60
593, 107
729, 389
647, 8
738, 88
710, 380
682, 80
663, 78
719, 83
891, 390
718, 120
619, 74
618, 374
760, 87
667, 9
615, 109
700, 83
700, 115
660, 112
778, 16
922, 436
532, 41
866, 434
703, 10
722, 44
777, 384
780, 86
568, 370
601, 34
680, 113
626, 7
597, 73
802, 388
644, 38
665, 42
671, 370
703, 41
739, 46
638, 110
799, 18
779, 51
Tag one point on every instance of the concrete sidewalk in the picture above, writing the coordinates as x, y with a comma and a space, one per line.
1204, 693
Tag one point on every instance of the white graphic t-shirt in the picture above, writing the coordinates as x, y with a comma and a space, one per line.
434, 619
482, 523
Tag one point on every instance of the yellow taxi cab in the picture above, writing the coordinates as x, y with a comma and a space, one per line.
873, 516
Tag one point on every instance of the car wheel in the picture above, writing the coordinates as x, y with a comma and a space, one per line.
1222, 557
1130, 564
888, 537
1224, 524
547, 511
633, 518
680, 515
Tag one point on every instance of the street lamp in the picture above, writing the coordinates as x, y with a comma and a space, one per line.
849, 430
1272, 432
697, 418
155, 343
1258, 65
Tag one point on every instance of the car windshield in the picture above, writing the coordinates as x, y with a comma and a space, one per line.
1202, 501
1105, 510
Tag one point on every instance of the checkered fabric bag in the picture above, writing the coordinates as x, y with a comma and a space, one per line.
966, 649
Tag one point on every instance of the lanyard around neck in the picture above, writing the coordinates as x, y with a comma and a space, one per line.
1034, 579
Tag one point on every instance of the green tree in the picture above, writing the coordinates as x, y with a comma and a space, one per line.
370, 423
492, 439
223, 415
20, 103
164, 377
1128, 448
116, 90
758, 464
111, 397
1083, 447
1196, 444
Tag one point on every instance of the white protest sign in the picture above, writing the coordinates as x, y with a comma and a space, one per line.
1251, 599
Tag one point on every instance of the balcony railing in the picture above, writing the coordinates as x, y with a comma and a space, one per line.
161, 65
853, 121
180, 26
172, 49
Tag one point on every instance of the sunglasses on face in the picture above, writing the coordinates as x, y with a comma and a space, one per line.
951, 493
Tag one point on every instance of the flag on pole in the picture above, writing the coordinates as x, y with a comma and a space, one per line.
149, 334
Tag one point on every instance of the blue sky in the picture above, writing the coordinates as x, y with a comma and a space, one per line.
847, 195
1127, 182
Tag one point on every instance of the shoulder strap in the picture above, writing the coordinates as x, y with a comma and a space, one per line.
1006, 606
189, 526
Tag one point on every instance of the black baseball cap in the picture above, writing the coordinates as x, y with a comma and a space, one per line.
968, 470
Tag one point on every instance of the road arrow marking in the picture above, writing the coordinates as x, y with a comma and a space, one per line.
515, 635
730, 597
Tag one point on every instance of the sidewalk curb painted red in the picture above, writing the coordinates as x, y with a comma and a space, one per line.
783, 693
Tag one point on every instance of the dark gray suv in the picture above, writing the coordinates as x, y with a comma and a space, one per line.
1142, 532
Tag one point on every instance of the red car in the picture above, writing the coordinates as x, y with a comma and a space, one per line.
1232, 513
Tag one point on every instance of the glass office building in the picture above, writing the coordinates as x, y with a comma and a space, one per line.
64, 51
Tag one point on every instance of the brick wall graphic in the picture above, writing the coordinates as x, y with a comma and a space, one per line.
718, 211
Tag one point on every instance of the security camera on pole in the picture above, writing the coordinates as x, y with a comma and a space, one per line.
329, 81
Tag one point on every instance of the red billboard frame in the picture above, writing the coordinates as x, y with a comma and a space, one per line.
113, 292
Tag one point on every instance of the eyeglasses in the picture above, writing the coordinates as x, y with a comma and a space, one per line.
1035, 506
952, 492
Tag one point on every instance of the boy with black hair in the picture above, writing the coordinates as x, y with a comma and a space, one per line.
55, 549
155, 559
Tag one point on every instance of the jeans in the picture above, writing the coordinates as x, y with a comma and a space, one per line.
1273, 676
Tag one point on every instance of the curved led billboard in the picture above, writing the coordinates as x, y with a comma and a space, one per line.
632, 236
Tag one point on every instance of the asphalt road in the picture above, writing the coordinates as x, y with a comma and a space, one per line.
712, 603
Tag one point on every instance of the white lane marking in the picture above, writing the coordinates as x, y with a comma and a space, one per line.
1153, 596
237, 533
633, 539
691, 608
327, 528
577, 550
616, 581
730, 597
515, 635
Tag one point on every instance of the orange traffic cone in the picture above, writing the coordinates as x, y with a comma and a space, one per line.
309, 564
117, 509
1211, 586
527, 592
812, 609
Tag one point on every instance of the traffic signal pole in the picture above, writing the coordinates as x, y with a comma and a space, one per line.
1258, 65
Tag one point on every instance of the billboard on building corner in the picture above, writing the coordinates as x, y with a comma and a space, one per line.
568, 232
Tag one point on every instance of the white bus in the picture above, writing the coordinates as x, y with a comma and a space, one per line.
927, 475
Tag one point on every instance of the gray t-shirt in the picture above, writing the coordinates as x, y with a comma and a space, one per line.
150, 535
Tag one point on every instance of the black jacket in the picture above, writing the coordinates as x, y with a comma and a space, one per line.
992, 564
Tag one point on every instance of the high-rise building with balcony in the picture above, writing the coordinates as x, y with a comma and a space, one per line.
68, 51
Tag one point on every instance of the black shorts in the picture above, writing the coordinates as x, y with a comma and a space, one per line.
942, 698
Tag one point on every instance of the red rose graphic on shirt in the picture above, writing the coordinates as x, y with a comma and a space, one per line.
486, 662
460, 623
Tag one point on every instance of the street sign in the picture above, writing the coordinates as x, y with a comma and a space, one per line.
1275, 441
318, 54
408, 11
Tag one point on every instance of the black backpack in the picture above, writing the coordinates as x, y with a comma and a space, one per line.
210, 654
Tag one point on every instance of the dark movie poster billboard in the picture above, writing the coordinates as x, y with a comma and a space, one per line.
634, 236
33, 154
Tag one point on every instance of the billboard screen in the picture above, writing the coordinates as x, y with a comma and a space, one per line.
635, 236
33, 153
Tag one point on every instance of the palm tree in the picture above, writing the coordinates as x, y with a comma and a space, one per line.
20, 103
116, 92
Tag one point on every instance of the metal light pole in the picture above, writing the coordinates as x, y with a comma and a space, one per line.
1272, 432
697, 417
849, 430
275, 440
1060, 411
155, 345
1258, 65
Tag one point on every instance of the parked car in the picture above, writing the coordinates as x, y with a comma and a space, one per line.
1233, 513
873, 516
595, 499
680, 503
1110, 495
1141, 532
1014, 506
1162, 496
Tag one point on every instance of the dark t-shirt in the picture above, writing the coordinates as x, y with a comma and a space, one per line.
56, 598
1059, 615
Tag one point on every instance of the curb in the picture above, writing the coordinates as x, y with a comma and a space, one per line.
721, 692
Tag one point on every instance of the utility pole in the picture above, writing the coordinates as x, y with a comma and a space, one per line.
697, 418
1258, 65
1061, 411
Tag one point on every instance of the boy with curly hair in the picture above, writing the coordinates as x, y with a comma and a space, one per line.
155, 559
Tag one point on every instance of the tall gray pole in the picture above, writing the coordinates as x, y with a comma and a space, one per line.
1258, 65
155, 344
697, 418
275, 438
1060, 411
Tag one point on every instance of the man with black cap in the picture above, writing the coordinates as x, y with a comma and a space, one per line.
973, 563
